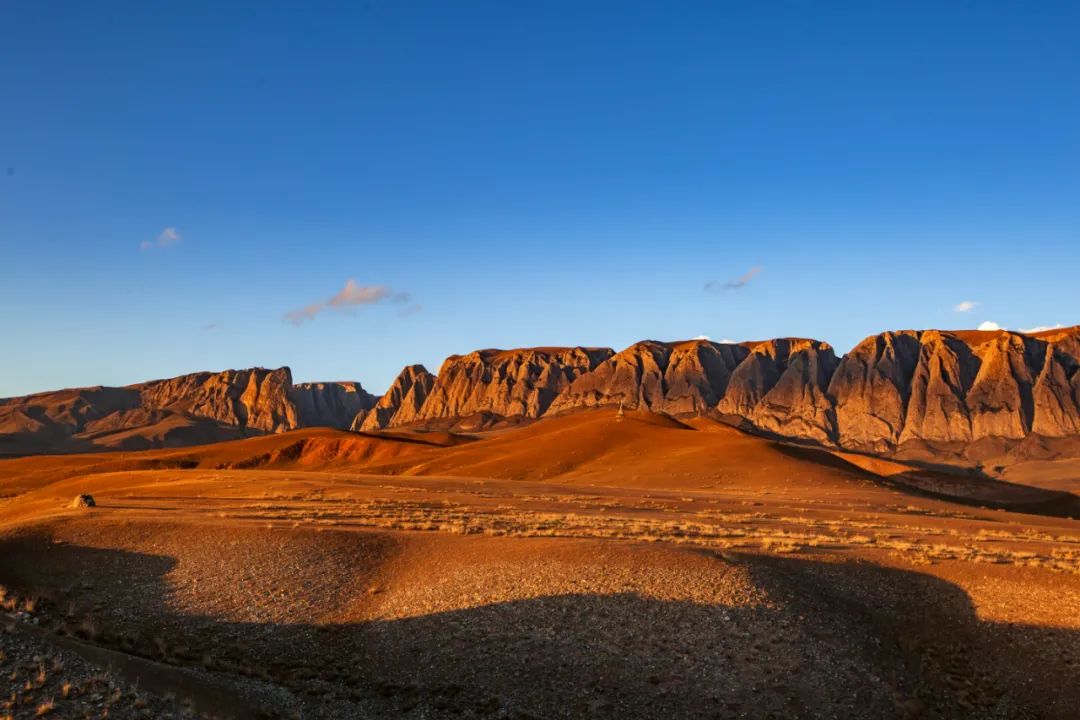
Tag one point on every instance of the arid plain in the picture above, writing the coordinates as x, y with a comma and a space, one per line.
616, 539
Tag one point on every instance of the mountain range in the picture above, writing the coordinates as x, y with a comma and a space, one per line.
968, 396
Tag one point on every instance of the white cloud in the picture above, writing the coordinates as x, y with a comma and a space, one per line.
352, 295
966, 306
989, 325
1041, 328
700, 337
168, 236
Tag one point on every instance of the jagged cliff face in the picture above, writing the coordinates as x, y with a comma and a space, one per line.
776, 386
893, 389
402, 402
781, 388
961, 387
337, 404
871, 388
1056, 395
189, 409
676, 378
897, 390
507, 383
254, 399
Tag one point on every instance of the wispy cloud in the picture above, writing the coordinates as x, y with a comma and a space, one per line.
350, 296
210, 326
302, 315
410, 310
355, 294
168, 236
737, 283
1041, 328
965, 306
989, 325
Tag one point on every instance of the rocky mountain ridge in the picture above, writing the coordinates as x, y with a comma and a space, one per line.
924, 388
189, 409
931, 390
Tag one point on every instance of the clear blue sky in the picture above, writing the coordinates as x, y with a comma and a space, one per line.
176, 178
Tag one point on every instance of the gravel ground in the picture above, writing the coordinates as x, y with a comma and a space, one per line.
43, 680
332, 624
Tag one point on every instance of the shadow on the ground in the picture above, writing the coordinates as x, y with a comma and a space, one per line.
969, 486
838, 640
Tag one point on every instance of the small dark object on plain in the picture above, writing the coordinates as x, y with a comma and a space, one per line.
83, 501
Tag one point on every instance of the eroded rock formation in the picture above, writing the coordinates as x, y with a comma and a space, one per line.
926, 389
189, 409
956, 387
402, 402
507, 383
338, 405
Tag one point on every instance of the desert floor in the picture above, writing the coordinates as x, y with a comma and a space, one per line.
576, 567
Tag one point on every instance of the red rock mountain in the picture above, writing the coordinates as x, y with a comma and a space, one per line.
905, 392
402, 402
331, 404
906, 389
506, 383
957, 387
190, 409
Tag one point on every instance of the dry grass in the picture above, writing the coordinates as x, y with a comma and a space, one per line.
709, 528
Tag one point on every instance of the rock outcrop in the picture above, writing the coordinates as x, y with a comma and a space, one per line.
506, 383
871, 388
338, 405
776, 386
780, 388
255, 399
677, 378
402, 402
957, 387
189, 409
898, 392
1056, 393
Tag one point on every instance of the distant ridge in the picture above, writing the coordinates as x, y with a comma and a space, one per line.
186, 410
928, 394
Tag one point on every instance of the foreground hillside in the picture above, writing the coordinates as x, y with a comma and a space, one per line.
587, 565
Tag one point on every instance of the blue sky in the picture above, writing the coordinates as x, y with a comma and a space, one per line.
175, 180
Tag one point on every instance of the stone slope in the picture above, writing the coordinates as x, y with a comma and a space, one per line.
255, 399
787, 379
505, 383
776, 386
195, 408
402, 402
898, 389
957, 387
331, 404
676, 378
920, 392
